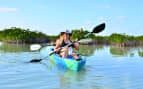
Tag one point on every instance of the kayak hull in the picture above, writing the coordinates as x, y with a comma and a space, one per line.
69, 63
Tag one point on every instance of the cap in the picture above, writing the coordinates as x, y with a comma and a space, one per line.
66, 31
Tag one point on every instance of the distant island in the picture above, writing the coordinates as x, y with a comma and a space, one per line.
19, 35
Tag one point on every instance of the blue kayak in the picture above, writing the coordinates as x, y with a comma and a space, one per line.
69, 63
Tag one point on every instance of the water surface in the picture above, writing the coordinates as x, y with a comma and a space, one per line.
107, 67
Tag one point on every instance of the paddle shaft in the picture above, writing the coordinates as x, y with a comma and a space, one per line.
97, 29
68, 45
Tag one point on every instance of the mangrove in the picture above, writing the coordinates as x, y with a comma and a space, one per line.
19, 35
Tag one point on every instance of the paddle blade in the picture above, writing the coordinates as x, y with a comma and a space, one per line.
35, 47
99, 28
35, 60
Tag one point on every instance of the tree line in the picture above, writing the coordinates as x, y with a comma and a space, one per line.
14, 35
27, 36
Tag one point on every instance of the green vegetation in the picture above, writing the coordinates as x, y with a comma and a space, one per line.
18, 35
79, 33
53, 38
139, 39
113, 38
119, 38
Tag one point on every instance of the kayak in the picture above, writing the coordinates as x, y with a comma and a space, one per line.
69, 62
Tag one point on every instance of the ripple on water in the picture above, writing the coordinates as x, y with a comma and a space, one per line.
102, 71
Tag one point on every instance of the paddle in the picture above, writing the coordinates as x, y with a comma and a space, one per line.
96, 29
35, 47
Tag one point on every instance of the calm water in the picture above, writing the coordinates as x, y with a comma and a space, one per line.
107, 68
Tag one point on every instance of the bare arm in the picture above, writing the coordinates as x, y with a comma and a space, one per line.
76, 45
58, 43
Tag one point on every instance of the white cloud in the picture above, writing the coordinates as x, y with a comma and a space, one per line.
8, 9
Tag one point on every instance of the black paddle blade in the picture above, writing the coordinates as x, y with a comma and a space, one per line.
99, 28
35, 60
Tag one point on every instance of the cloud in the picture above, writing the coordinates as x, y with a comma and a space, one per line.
8, 9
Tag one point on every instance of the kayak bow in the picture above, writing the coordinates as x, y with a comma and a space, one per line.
69, 63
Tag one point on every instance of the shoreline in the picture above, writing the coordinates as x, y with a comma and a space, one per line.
124, 44
16, 35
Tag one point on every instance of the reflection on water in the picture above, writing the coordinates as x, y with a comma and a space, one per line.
121, 51
126, 51
11, 48
140, 51
107, 67
88, 50
0, 43
66, 77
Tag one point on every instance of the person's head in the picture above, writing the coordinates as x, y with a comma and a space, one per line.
65, 34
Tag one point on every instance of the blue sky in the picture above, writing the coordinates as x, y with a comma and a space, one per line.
53, 16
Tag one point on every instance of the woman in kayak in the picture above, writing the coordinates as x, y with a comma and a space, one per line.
63, 41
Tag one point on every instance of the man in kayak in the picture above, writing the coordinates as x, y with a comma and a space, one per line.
63, 41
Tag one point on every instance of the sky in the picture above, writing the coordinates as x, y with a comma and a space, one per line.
53, 16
